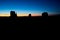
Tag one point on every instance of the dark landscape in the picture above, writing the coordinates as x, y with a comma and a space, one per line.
42, 23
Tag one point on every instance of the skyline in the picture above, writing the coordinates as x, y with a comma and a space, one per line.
20, 15
30, 6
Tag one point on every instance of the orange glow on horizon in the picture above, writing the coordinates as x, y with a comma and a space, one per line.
20, 15
4, 14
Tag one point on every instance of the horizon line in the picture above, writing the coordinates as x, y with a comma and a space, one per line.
7, 15
21, 15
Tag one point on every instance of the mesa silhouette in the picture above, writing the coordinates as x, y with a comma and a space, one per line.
27, 24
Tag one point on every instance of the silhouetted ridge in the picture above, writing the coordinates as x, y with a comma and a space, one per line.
45, 14
29, 15
13, 14
29, 24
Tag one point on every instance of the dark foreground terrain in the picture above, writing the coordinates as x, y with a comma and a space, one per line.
28, 24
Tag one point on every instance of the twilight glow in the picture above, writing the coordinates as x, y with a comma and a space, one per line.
25, 7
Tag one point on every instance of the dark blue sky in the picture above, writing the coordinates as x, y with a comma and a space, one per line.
30, 6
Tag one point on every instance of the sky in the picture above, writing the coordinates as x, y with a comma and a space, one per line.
30, 6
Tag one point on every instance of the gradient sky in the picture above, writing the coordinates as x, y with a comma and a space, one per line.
30, 6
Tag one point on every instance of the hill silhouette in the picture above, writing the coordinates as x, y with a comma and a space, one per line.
27, 24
